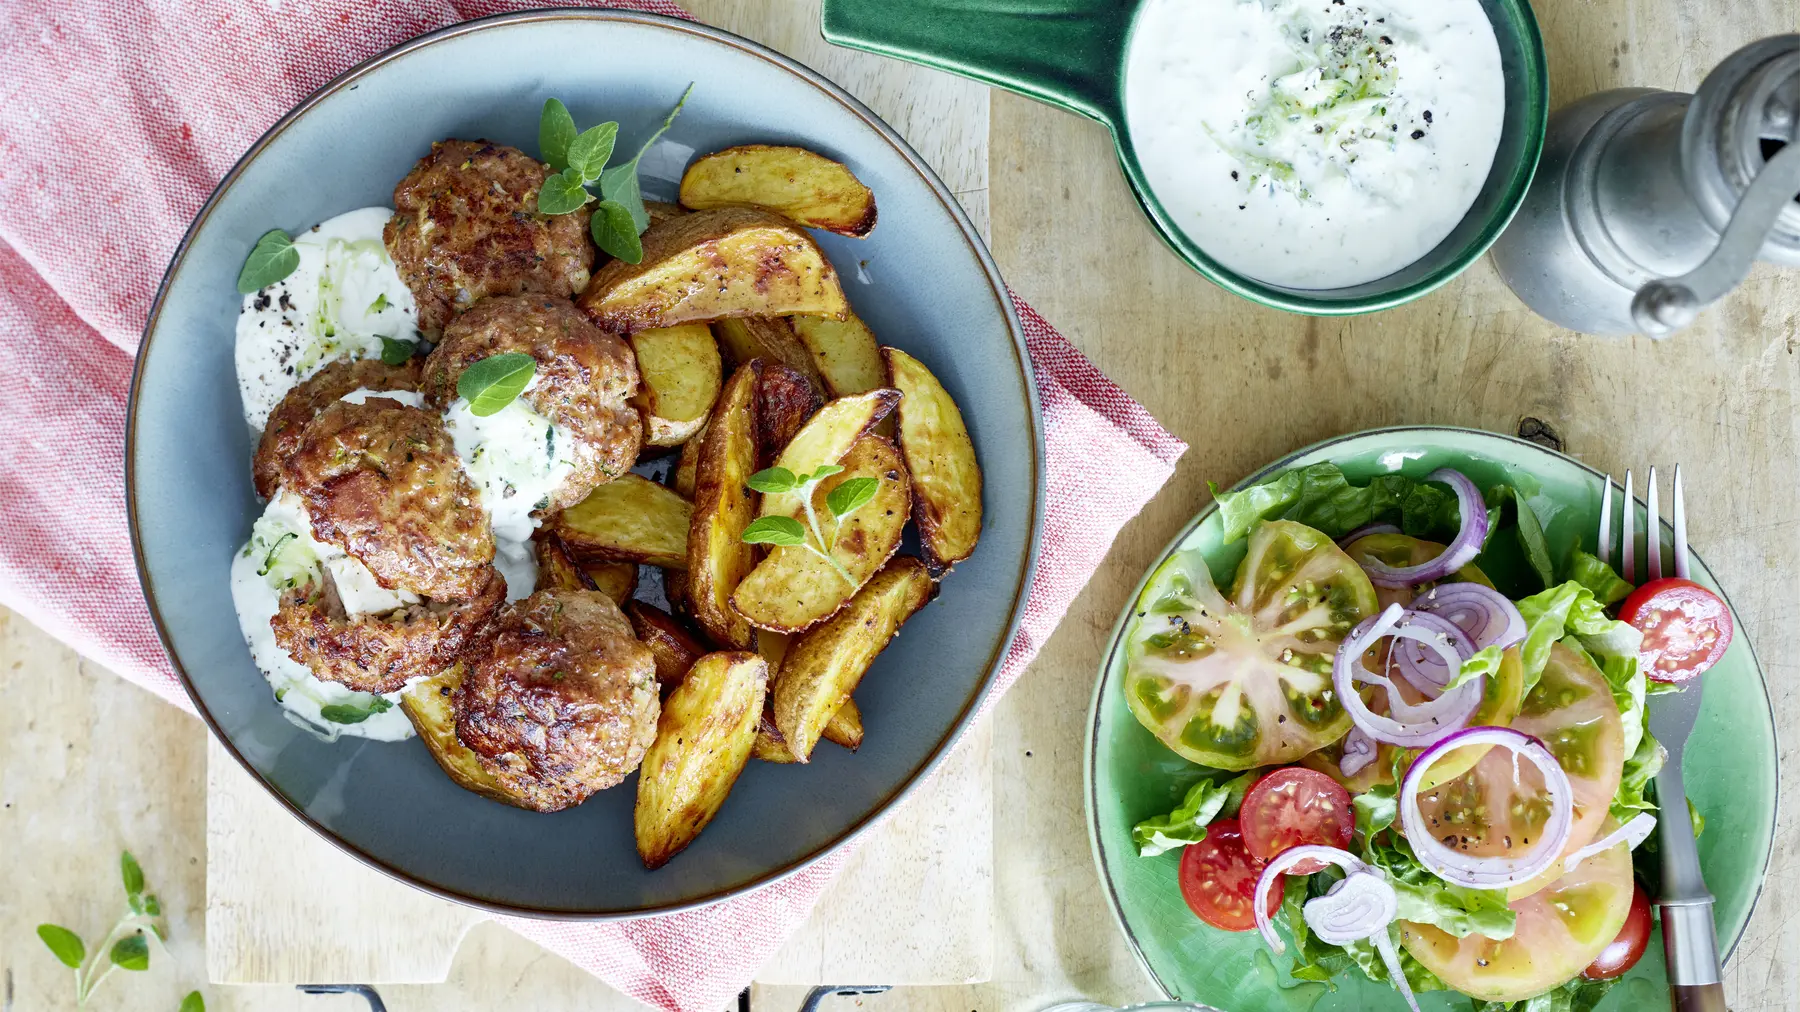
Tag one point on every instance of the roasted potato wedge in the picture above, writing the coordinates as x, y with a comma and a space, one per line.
673, 647
629, 519
822, 668
681, 374
711, 265
703, 739
682, 478
845, 352
617, 580
845, 726
825, 439
556, 566
794, 589
771, 339
717, 557
945, 475
661, 211
427, 704
784, 401
803, 185
769, 746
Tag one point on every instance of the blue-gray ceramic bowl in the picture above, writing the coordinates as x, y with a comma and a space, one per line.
928, 287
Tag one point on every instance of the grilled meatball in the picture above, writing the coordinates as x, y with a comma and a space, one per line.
381, 481
379, 653
305, 401
466, 226
564, 702
584, 378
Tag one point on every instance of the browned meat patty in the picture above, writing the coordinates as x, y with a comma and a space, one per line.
466, 226
381, 481
379, 653
564, 702
305, 401
584, 378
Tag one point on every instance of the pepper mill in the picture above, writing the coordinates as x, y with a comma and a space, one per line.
1651, 205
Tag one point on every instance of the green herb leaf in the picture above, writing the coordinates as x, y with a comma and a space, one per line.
556, 130
271, 260
589, 152
151, 907
851, 496
350, 713
773, 481
396, 352
824, 471
131, 873
379, 304
620, 185
562, 193
615, 232
131, 953
495, 381
775, 531
64, 944
193, 1003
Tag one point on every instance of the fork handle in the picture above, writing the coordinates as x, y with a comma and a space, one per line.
1697, 998
1691, 951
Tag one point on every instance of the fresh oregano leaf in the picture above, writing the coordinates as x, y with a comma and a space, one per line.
131, 953
495, 381
620, 183
556, 130
590, 150
64, 944
773, 481
851, 496
349, 713
131, 872
395, 352
615, 233
775, 531
151, 907
562, 193
193, 1003
822, 472
271, 260
379, 304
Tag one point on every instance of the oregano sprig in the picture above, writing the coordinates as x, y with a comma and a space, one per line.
125, 947
580, 158
849, 496
495, 381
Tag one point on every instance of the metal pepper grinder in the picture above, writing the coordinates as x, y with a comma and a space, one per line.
1651, 205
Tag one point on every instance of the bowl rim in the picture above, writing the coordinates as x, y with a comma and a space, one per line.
1002, 296
1091, 748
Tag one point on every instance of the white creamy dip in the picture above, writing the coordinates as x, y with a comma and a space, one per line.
339, 303
1310, 143
517, 459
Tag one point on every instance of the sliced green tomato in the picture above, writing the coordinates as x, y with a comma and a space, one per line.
1561, 929
1401, 551
1246, 681
1499, 806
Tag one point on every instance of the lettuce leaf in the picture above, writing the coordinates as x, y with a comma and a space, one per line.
1597, 576
1320, 961
1205, 801
1576, 995
1321, 496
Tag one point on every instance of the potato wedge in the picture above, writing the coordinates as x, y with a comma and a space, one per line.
427, 704
711, 265
673, 647
784, 401
661, 211
825, 439
717, 556
770, 338
822, 668
703, 739
556, 566
681, 374
945, 475
769, 746
794, 589
845, 352
629, 519
803, 185
845, 726
617, 580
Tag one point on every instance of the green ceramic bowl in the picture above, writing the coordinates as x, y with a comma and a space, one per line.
1730, 769
1072, 54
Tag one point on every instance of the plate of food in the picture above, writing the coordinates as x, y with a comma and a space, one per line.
1373, 732
540, 441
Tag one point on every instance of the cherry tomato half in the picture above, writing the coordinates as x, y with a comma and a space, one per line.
1628, 948
1686, 628
1294, 806
1218, 879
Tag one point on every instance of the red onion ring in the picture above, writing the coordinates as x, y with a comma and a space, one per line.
1459, 553
1632, 833
1364, 531
1418, 725
1279, 865
1483, 613
1427, 670
1489, 872
1360, 906
1359, 752
1385, 946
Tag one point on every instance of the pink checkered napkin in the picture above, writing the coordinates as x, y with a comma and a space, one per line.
116, 121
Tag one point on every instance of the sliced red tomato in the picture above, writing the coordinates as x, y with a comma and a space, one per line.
1686, 628
1628, 948
1293, 806
1218, 879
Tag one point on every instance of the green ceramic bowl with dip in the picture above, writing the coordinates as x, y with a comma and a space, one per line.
1106, 59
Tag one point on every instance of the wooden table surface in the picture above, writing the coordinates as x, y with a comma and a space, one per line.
1241, 384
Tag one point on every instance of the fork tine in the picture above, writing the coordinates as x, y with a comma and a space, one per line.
1681, 548
1603, 542
1653, 529
1628, 537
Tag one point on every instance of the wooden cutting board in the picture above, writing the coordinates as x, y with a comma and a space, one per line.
928, 869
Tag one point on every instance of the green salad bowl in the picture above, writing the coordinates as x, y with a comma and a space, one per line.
1730, 767
1072, 54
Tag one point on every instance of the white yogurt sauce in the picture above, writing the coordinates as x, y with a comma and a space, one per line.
517, 459
1313, 144
339, 303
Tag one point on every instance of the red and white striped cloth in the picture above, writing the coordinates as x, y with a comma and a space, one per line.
116, 121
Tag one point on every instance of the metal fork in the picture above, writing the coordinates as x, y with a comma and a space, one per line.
1689, 943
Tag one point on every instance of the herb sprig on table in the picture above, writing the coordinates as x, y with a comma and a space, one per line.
579, 158
125, 947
